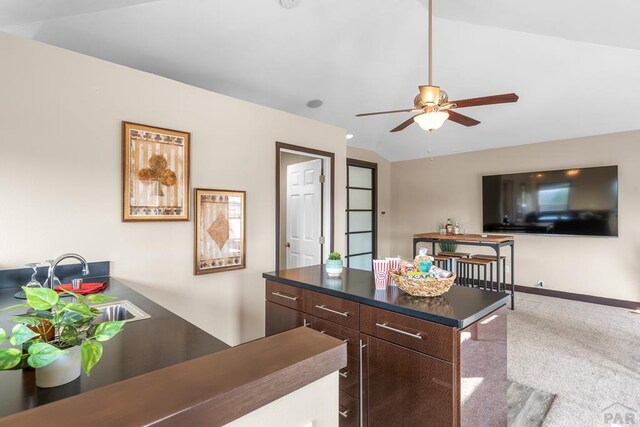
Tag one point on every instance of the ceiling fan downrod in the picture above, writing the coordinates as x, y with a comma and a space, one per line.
430, 19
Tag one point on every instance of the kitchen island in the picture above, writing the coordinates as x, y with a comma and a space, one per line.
438, 361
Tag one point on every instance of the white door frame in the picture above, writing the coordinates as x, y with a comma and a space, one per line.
328, 166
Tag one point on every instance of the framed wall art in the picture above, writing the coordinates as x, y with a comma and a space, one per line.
155, 173
219, 230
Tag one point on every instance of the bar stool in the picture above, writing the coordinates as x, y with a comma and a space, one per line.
444, 261
492, 258
454, 254
454, 258
473, 272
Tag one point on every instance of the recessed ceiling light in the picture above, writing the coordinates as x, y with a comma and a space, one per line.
349, 135
314, 103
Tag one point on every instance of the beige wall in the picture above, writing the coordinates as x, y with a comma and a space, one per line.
427, 191
60, 175
314, 405
384, 194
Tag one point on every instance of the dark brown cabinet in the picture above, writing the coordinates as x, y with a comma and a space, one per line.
348, 335
403, 371
348, 410
280, 318
404, 387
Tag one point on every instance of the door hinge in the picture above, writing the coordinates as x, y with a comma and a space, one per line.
321, 239
322, 178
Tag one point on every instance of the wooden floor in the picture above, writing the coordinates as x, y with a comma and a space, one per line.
527, 406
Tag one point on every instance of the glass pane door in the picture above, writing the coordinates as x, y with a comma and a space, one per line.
361, 214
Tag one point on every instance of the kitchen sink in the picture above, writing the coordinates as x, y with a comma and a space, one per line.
119, 310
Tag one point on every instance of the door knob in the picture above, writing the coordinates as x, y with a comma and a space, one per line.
287, 245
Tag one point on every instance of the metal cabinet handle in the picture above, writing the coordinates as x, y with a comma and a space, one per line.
409, 334
345, 340
341, 313
361, 347
344, 414
343, 374
278, 294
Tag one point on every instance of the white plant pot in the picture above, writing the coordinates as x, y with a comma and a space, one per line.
63, 370
334, 268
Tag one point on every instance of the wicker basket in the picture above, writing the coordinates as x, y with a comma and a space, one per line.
428, 287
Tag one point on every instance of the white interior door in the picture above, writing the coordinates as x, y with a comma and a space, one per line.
304, 213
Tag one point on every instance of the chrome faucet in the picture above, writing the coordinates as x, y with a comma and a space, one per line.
51, 277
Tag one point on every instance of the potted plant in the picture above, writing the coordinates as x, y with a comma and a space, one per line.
334, 264
446, 246
56, 337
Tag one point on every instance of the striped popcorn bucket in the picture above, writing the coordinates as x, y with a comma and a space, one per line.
381, 273
394, 265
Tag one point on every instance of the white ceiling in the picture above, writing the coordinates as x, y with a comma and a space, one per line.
574, 63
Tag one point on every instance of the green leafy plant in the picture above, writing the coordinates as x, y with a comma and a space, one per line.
446, 246
335, 256
70, 323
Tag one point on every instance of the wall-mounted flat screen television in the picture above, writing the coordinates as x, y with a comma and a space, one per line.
581, 201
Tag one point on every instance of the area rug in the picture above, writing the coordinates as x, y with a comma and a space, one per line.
527, 407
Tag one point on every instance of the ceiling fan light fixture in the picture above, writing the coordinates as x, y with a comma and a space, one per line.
432, 120
430, 95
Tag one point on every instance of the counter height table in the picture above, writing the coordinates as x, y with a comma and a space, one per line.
494, 241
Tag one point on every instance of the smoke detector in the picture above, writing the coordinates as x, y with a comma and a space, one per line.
288, 4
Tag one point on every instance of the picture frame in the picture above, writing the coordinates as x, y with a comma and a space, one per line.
155, 173
219, 230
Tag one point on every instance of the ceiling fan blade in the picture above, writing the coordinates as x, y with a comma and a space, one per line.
486, 100
408, 110
462, 119
404, 124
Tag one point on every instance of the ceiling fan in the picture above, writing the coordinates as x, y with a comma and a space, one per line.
432, 104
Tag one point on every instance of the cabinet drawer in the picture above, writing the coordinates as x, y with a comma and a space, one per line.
349, 377
348, 410
420, 335
337, 310
289, 296
348, 335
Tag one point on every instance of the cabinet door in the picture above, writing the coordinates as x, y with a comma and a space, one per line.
279, 318
483, 371
403, 387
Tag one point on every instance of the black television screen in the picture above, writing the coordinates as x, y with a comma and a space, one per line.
580, 201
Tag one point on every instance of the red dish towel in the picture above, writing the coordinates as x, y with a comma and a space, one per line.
85, 288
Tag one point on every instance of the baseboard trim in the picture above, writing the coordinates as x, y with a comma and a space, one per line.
632, 305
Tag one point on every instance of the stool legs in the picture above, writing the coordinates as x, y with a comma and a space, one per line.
475, 275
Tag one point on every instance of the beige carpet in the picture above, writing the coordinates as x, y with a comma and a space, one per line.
586, 354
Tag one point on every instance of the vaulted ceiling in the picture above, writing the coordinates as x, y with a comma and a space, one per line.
574, 63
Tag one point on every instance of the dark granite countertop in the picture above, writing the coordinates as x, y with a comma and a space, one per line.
459, 307
143, 346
